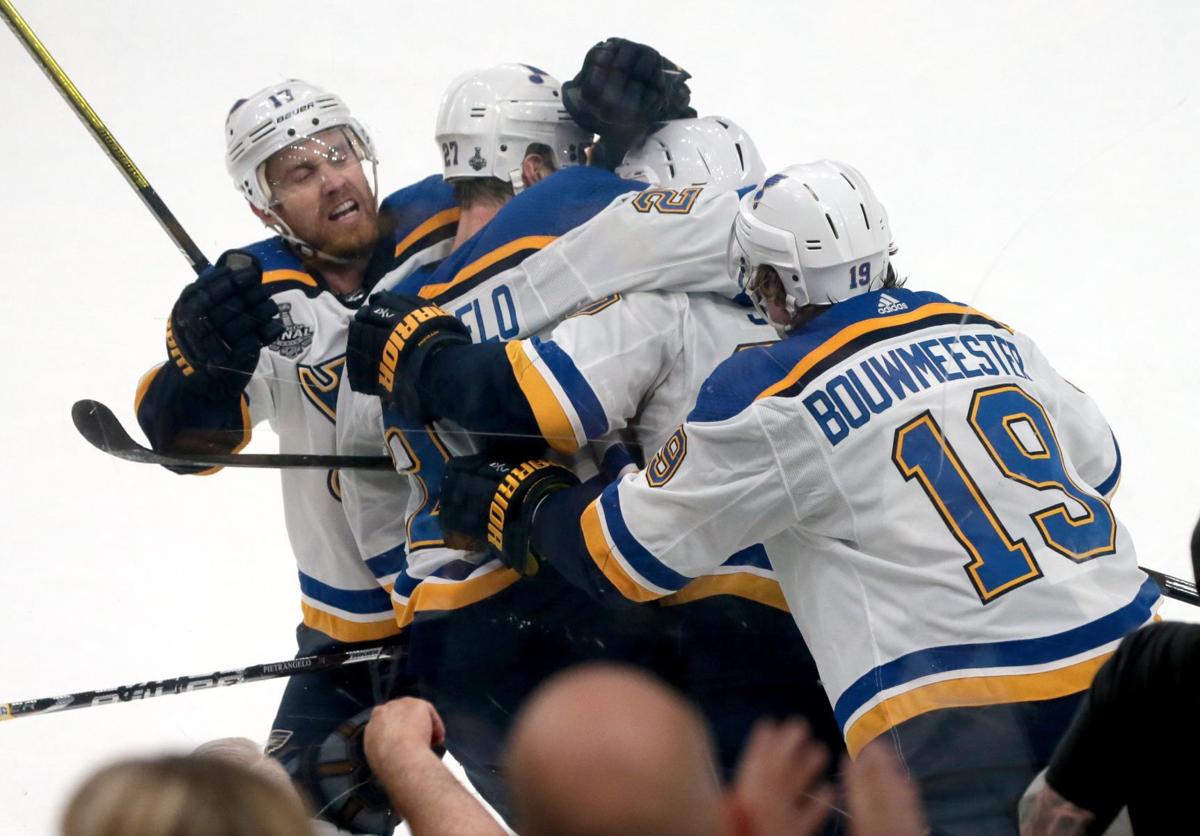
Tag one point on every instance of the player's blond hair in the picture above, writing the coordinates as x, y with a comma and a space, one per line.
195, 795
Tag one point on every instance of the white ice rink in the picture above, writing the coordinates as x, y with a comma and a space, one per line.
1039, 160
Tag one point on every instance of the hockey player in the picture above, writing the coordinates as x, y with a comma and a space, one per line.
488, 145
932, 494
460, 603
630, 365
261, 336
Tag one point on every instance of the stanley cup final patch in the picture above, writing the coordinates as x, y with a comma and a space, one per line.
296, 336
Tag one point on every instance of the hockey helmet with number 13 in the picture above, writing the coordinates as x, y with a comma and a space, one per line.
820, 227
280, 116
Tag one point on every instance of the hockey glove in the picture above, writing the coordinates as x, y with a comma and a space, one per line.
391, 338
220, 323
622, 89
489, 504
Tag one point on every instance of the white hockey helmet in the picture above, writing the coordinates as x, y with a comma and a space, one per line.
821, 228
276, 117
710, 151
488, 118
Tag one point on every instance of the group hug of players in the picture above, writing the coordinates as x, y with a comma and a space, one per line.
646, 403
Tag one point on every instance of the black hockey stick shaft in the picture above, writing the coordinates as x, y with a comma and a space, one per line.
1176, 588
184, 684
101, 428
107, 141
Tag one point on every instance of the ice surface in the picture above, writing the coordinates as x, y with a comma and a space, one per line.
1038, 160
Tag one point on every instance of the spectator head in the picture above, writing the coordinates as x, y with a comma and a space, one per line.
602, 750
197, 795
245, 752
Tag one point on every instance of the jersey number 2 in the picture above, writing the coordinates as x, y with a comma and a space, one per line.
1016, 432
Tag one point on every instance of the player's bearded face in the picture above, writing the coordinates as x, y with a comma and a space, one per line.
319, 189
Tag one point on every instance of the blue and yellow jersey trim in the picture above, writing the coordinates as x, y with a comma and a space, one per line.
288, 275
856, 337
437, 228
525, 225
247, 423
420, 216
566, 408
483, 268
349, 615
746, 585
836, 335
143, 386
975, 674
454, 586
747, 575
640, 576
625, 563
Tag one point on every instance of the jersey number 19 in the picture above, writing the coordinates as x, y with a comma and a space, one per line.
1018, 436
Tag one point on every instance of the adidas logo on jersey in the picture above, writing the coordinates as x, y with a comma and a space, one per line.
887, 304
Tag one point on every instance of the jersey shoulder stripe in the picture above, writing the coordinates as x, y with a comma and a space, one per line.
432, 230
523, 226
282, 269
410, 213
504, 257
785, 368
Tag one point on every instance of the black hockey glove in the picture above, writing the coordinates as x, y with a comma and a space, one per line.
489, 504
391, 338
220, 323
623, 89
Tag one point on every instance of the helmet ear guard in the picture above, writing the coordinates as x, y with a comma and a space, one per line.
822, 230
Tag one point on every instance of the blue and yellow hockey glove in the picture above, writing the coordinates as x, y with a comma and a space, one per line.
391, 338
220, 324
489, 505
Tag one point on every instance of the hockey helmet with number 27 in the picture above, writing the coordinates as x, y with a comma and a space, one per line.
489, 118
820, 227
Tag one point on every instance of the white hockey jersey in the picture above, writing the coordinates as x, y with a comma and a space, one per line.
344, 593
636, 362
930, 492
548, 252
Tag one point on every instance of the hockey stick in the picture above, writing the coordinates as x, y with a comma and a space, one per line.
97, 423
183, 684
107, 141
1173, 587
100, 427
